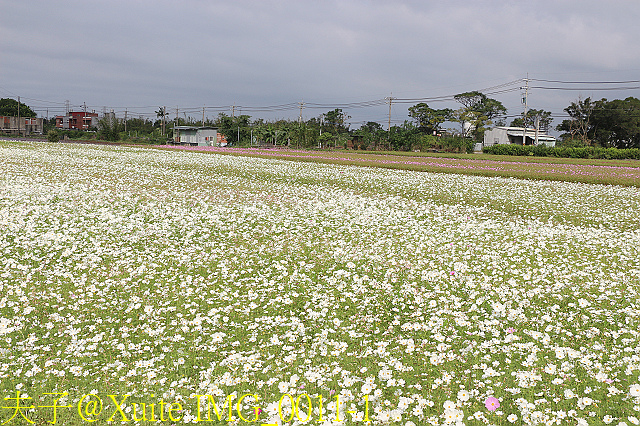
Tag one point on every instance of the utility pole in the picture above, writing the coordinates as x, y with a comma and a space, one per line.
524, 116
390, 99
18, 115
202, 116
125, 119
177, 136
164, 113
301, 105
233, 111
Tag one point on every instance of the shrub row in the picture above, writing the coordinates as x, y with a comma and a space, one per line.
564, 152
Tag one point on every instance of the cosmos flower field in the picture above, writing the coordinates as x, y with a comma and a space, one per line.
152, 286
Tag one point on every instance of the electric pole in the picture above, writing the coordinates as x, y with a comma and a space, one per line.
301, 105
18, 115
390, 99
524, 116
162, 114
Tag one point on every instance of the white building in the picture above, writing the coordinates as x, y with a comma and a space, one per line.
195, 136
507, 135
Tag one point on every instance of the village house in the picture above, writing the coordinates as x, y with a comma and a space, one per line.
196, 136
21, 125
79, 120
515, 135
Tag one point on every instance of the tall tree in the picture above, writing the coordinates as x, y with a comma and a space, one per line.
9, 108
616, 123
579, 125
336, 120
543, 117
372, 133
234, 127
429, 119
478, 111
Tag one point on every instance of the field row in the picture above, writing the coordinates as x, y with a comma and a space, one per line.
612, 172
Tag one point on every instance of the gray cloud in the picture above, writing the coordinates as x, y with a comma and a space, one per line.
139, 54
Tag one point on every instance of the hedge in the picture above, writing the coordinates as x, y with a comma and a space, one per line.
564, 152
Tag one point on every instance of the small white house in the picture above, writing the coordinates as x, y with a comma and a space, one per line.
195, 136
515, 135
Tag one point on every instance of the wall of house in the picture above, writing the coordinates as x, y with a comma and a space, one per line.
200, 137
77, 120
494, 137
207, 137
26, 125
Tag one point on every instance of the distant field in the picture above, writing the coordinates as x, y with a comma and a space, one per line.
613, 172
310, 291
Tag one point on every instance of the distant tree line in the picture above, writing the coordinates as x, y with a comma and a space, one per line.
600, 123
9, 108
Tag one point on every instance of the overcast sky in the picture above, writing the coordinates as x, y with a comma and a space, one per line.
139, 55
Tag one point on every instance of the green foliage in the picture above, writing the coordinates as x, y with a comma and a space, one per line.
237, 130
326, 139
429, 120
477, 113
605, 123
579, 125
9, 108
446, 144
372, 135
336, 121
509, 149
405, 137
109, 128
543, 117
53, 136
75, 134
571, 143
563, 151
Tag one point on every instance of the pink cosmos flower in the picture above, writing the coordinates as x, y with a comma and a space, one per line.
511, 330
492, 403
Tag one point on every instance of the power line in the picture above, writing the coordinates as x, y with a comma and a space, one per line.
585, 88
586, 82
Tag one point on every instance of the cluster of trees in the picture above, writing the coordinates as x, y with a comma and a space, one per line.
477, 112
603, 123
332, 129
9, 108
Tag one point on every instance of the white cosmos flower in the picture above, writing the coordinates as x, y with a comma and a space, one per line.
463, 395
634, 390
449, 405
